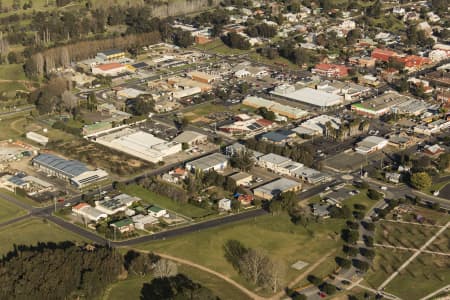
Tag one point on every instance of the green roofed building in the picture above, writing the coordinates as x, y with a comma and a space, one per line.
125, 225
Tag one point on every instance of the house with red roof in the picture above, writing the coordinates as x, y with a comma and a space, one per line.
330, 70
414, 61
110, 69
383, 54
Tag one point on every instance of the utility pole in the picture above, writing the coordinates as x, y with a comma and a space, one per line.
54, 202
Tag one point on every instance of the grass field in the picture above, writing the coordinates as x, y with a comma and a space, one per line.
384, 264
131, 287
441, 243
204, 109
404, 235
12, 72
217, 46
162, 201
22, 199
274, 234
424, 275
30, 232
9, 211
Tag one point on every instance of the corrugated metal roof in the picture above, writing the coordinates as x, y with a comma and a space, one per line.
72, 168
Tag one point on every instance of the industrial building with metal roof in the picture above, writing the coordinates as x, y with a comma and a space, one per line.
215, 161
73, 171
307, 95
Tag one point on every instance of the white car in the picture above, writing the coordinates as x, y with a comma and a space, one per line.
384, 188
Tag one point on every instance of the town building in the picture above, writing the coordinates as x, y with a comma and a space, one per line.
140, 144
317, 125
142, 221
276, 188
88, 212
124, 226
307, 95
157, 212
119, 203
202, 77
224, 204
110, 55
191, 138
72, 171
247, 126
215, 161
281, 109
110, 69
330, 70
371, 144
241, 178
393, 177
379, 106
321, 210
309, 175
36, 137
383, 54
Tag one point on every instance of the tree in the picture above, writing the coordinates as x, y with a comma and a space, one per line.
350, 236
314, 280
361, 265
275, 207
183, 39
420, 180
374, 194
68, 101
164, 268
343, 262
266, 114
288, 201
234, 251
253, 264
328, 288
369, 253
175, 287
243, 160
274, 275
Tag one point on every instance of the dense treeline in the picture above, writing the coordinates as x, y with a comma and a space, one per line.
175, 287
58, 271
47, 60
68, 271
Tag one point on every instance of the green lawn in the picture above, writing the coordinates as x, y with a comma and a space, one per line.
131, 287
31, 231
21, 198
9, 211
441, 243
162, 201
424, 275
405, 235
12, 72
217, 46
386, 261
205, 109
274, 234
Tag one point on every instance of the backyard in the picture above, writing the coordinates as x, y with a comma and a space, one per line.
150, 197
